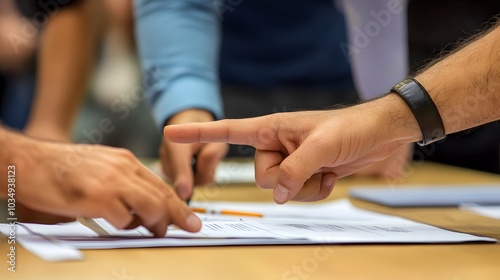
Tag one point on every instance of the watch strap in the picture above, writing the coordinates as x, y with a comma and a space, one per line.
424, 109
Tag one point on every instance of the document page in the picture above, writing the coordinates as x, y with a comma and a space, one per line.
336, 222
429, 195
489, 211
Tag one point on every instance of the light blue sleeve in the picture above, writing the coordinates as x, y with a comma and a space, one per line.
178, 42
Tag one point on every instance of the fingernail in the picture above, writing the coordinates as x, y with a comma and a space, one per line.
329, 180
193, 222
182, 193
281, 194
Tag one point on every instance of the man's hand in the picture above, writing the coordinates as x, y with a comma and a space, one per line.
96, 181
392, 168
176, 159
48, 132
300, 155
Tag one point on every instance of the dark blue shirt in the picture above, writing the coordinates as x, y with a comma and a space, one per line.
284, 43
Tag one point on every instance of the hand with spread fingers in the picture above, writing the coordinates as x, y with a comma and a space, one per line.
73, 180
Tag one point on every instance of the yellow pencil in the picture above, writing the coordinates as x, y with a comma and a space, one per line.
226, 212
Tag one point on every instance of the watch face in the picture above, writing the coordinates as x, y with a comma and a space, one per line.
399, 85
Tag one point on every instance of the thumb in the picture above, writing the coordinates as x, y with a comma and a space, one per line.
297, 168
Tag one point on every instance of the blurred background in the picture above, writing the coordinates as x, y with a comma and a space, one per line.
433, 27
116, 77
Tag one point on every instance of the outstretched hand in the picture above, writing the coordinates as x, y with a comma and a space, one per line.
300, 155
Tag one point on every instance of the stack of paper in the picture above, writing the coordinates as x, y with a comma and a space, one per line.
328, 223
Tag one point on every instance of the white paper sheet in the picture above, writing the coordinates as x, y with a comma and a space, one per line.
487, 211
429, 195
226, 172
328, 223
50, 250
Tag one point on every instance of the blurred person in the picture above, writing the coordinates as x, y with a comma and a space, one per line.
70, 36
300, 155
78, 37
117, 90
51, 89
15, 52
278, 55
67, 51
118, 71
54, 181
16, 64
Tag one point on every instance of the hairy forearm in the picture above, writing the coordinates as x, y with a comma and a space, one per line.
466, 85
66, 56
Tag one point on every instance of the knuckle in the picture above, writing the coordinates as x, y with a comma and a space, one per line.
322, 195
120, 165
265, 136
113, 167
125, 153
263, 182
153, 211
109, 175
167, 194
175, 209
289, 173
98, 193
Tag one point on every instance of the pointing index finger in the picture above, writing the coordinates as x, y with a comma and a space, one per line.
242, 131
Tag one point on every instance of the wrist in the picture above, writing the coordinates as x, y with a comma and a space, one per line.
19, 152
423, 108
39, 163
48, 132
18, 149
396, 120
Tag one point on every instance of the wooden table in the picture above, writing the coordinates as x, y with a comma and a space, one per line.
443, 262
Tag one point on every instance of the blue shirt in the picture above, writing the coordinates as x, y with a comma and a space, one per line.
178, 42
267, 44
284, 43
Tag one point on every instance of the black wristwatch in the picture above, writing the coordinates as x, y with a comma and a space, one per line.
424, 109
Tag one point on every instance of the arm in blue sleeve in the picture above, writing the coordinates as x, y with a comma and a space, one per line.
178, 43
